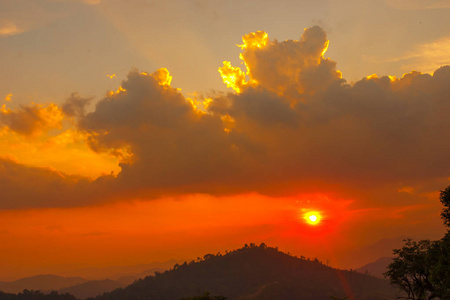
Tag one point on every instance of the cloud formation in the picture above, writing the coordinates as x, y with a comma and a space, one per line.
292, 126
8, 29
75, 106
164, 142
427, 57
32, 119
292, 69
24, 186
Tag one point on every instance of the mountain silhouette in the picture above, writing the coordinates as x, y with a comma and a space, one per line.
376, 268
81, 288
40, 282
91, 288
117, 272
255, 273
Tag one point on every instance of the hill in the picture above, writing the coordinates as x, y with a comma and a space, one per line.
77, 286
117, 272
130, 278
40, 282
91, 288
94, 288
376, 268
255, 273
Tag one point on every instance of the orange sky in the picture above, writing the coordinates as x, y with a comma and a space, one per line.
61, 240
150, 173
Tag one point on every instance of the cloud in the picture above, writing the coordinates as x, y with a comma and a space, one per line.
32, 119
75, 105
292, 126
65, 150
9, 29
168, 145
24, 186
293, 69
427, 57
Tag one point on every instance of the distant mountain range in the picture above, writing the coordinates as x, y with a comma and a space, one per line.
77, 286
40, 282
92, 288
255, 273
250, 273
376, 268
117, 272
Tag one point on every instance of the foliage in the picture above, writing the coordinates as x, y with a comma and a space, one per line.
205, 296
36, 295
422, 269
410, 270
445, 199
439, 256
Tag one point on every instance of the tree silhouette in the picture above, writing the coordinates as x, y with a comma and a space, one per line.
339, 298
439, 255
205, 296
36, 295
445, 199
422, 269
410, 270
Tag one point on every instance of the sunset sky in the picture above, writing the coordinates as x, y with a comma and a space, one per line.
136, 131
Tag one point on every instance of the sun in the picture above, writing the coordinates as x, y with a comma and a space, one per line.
312, 217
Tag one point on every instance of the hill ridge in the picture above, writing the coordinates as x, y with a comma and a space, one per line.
241, 273
41, 282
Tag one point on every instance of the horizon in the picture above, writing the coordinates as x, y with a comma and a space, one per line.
115, 272
136, 132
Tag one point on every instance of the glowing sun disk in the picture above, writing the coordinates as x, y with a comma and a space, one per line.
312, 217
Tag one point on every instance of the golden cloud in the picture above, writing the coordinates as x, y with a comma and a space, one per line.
8, 97
288, 68
293, 125
33, 119
427, 57
9, 29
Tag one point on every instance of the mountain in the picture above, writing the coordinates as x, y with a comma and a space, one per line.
94, 288
77, 286
116, 272
91, 288
255, 273
376, 268
128, 279
40, 282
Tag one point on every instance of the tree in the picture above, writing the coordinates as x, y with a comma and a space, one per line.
205, 296
410, 270
422, 269
445, 199
439, 257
